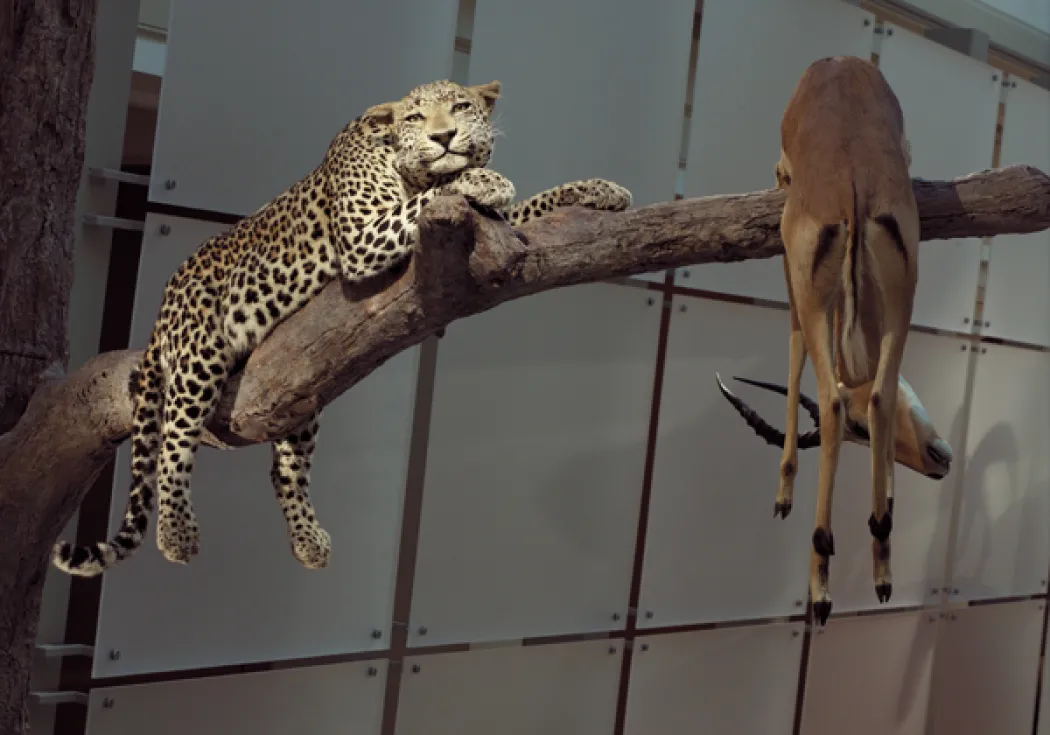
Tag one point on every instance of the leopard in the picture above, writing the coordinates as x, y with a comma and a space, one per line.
353, 217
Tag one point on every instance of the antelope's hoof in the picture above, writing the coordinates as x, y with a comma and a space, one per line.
884, 591
821, 611
782, 509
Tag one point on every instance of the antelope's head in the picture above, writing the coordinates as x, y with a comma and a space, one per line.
917, 445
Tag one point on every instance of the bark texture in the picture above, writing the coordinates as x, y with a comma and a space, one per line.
465, 264
46, 66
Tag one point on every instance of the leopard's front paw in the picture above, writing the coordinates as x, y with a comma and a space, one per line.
600, 194
482, 186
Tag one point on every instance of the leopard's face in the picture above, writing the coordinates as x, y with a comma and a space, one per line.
441, 128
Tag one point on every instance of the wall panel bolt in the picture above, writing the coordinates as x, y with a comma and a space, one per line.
984, 350
108, 703
867, 22
612, 650
416, 669
682, 308
987, 324
798, 603
649, 613
962, 348
995, 77
966, 320
685, 274
649, 301
645, 646
955, 590
165, 229
615, 616
114, 655
889, 31
373, 671
933, 618
170, 184
794, 634
422, 630
377, 634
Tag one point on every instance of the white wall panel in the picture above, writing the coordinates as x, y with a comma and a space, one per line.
320, 700
535, 467
1002, 545
952, 133
986, 670
1017, 300
751, 55
591, 88
245, 598
936, 368
254, 90
870, 675
713, 549
733, 680
560, 689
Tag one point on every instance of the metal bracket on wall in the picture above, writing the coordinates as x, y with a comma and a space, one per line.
51, 699
98, 174
116, 223
64, 650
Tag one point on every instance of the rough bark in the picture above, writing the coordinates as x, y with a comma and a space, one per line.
465, 264
46, 67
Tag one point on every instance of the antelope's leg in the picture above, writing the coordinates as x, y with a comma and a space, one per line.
796, 361
882, 406
816, 329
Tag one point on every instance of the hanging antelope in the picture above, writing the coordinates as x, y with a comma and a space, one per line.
851, 232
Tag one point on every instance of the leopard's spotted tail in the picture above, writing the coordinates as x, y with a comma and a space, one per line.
147, 386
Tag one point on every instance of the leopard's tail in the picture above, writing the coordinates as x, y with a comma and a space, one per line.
147, 389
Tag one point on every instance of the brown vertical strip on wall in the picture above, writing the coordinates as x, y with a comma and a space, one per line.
411, 518
643, 513
92, 524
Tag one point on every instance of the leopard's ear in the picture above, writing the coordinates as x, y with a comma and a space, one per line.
488, 93
383, 114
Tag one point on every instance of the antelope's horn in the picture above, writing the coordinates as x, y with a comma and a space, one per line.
762, 427
811, 406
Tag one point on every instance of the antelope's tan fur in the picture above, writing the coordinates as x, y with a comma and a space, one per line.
851, 233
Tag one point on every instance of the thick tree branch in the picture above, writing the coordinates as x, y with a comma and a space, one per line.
466, 264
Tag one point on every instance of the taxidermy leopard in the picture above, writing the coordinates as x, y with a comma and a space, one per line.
353, 217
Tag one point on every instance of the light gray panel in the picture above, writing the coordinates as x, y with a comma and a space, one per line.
710, 681
952, 133
986, 670
245, 598
713, 550
871, 675
591, 88
1003, 542
559, 689
535, 467
254, 90
936, 367
751, 55
319, 700
1017, 299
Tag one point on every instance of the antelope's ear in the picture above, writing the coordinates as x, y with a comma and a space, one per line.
489, 93
383, 113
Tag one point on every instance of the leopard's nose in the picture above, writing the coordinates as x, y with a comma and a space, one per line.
444, 137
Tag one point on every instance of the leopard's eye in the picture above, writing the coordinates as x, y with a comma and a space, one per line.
414, 117
461, 106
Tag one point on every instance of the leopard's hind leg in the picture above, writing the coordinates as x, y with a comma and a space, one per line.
198, 372
290, 472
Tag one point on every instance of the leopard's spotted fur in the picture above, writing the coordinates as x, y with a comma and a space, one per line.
353, 217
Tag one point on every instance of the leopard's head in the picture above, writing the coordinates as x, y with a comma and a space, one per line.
439, 129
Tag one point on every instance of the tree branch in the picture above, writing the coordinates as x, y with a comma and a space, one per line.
467, 263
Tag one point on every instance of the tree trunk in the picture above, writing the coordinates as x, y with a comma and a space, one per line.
46, 65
